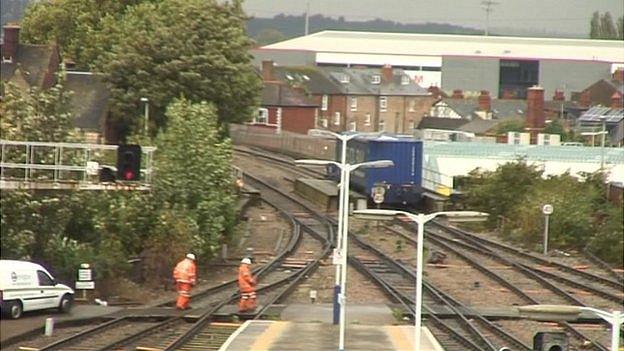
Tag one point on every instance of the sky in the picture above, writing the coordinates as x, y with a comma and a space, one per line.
564, 16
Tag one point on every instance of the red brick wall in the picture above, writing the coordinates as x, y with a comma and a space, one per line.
298, 119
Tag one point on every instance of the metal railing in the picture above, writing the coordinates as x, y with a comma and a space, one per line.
49, 165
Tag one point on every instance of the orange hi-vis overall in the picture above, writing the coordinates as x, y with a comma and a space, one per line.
247, 286
185, 277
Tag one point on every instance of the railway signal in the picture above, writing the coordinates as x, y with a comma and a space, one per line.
129, 162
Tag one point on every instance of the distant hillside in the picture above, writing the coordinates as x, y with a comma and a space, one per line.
267, 30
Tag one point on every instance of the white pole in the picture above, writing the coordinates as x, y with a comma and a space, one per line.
343, 277
546, 235
615, 330
602, 145
419, 272
146, 115
343, 170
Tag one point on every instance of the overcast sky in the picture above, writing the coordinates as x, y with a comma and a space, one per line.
566, 16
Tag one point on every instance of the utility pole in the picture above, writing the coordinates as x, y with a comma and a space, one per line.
307, 17
487, 7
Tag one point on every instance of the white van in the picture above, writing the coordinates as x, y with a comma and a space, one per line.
26, 286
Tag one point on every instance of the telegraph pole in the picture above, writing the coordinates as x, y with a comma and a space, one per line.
487, 7
307, 17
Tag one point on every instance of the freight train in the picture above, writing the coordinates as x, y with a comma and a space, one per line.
402, 183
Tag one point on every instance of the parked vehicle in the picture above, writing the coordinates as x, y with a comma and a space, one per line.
27, 286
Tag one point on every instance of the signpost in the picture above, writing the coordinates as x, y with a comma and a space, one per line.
85, 279
547, 210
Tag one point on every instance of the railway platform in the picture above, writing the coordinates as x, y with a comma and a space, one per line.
309, 327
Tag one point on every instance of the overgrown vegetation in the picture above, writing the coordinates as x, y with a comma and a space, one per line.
190, 59
515, 193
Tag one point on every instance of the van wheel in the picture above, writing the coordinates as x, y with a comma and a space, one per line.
66, 303
15, 309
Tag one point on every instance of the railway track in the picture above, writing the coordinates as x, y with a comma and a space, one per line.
519, 279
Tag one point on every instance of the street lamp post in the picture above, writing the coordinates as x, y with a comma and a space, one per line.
344, 138
344, 208
420, 220
566, 313
603, 119
146, 102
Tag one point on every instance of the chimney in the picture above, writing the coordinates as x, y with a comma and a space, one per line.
535, 120
485, 101
11, 41
617, 100
267, 70
435, 91
457, 94
585, 98
559, 96
386, 74
619, 75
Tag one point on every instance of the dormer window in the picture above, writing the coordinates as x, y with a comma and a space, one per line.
7, 59
376, 79
405, 80
344, 78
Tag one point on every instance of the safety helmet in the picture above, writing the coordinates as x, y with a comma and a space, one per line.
190, 256
246, 260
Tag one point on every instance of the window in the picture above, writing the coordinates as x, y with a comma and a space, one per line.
367, 119
412, 105
324, 102
383, 103
353, 126
405, 80
324, 122
337, 119
262, 117
382, 125
44, 279
376, 79
344, 78
353, 104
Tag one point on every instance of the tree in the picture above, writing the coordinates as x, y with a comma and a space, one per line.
554, 127
191, 48
511, 125
36, 115
268, 36
608, 27
595, 30
620, 27
193, 172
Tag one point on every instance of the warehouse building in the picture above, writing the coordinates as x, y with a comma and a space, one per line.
505, 66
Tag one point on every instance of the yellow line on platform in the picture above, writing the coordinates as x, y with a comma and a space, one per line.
400, 341
264, 341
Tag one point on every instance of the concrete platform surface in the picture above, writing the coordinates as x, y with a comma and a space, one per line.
373, 314
305, 336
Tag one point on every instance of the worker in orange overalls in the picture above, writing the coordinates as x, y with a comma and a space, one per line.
247, 286
185, 276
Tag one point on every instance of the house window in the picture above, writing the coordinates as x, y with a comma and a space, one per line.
383, 103
405, 80
412, 105
382, 125
344, 78
337, 118
367, 119
353, 104
376, 79
262, 117
324, 122
324, 102
353, 126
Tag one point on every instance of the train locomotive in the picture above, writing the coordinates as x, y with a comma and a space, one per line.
402, 183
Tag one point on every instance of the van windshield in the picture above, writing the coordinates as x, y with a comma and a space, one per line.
44, 278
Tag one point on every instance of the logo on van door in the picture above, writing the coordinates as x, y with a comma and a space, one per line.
13, 277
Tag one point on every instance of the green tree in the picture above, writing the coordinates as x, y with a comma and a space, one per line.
73, 24
498, 192
192, 48
36, 115
511, 125
268, 36
620, 27
595, 30
608, 27
193, 172
554, 127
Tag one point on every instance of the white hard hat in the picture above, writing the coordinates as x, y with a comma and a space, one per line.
246, 260
190, 256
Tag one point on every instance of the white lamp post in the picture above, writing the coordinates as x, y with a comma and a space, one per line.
564, 313
344, 207
146, 101
420, 219
344, 138
547, 210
